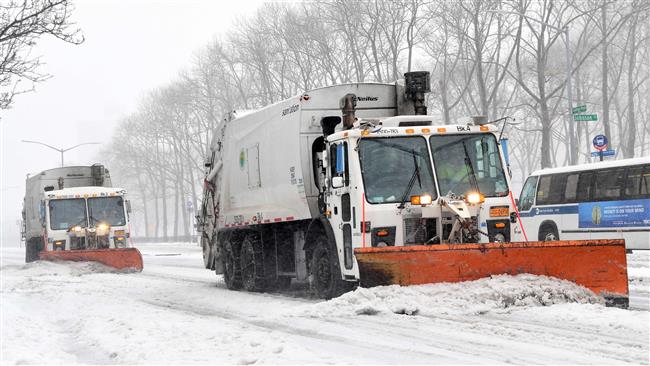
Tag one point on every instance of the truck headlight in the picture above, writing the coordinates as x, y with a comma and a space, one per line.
102, 229
474, 198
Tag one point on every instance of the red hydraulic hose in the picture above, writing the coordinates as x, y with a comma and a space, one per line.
512, 199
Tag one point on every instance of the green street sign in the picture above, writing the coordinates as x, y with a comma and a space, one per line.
585, 117
579, 109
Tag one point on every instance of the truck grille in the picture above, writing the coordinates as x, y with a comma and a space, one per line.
419, 230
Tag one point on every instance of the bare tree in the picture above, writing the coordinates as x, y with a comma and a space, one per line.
22, 23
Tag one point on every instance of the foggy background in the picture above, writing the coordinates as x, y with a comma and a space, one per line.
152, 82
130, 47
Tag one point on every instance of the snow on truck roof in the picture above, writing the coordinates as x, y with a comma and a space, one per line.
76, 192
593, 166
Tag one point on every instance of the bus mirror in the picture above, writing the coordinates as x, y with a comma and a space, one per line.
513, 217
128, 206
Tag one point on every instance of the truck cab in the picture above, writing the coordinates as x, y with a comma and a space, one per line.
85, 218
401, 181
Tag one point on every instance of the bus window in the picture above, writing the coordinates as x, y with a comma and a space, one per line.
543, 189
571, 188
551, 189
584, 187
607, 184
637, 183
527, 194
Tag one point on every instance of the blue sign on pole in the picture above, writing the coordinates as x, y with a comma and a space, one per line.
600, 142
604, 153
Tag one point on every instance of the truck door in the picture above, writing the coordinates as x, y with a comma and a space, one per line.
339, 202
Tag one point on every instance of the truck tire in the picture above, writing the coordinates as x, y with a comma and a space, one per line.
252, 264
325, 271
231, 266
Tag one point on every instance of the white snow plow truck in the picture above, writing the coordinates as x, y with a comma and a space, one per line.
73, 213
356, 184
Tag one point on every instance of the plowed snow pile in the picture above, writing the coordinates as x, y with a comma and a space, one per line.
497, 294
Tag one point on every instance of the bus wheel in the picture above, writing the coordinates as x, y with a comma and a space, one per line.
548, 233
231, 266
252, 264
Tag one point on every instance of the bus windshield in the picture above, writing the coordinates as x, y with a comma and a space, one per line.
66, 213
109, 210
465, 163
389, 164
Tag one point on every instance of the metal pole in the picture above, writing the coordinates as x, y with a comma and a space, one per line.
572, 137
62, 158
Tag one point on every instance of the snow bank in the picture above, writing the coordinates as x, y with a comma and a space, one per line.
496, 294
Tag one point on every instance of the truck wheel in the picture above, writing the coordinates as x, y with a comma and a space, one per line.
252, 264
548, 233
283, 283
231, 266
280, 283
325, 272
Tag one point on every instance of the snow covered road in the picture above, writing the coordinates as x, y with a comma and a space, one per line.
177, 312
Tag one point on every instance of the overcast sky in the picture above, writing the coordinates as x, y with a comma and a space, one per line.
131, 47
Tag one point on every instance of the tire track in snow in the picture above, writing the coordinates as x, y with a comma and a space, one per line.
383, 352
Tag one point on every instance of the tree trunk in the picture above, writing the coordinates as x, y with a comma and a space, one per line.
628, 149
605, 75
546, 134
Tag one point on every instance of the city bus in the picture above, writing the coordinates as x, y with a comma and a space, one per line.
604, 200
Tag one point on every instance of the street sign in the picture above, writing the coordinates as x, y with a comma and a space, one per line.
600, 142
585, 117
604, 152
579, 109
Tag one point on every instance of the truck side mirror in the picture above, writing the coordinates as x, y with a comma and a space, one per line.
337, 182
128, 206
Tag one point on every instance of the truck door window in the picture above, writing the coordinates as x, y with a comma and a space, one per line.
339, 161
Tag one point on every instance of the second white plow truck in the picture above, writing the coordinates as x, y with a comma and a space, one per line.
355, 184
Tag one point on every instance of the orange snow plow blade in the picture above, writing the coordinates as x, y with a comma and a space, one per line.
599, 265
121, 258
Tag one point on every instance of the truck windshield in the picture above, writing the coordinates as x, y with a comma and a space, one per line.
66, 213
464, 161
109, 210
388, 164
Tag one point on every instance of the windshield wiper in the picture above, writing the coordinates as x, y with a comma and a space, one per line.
416, 174
470, 167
